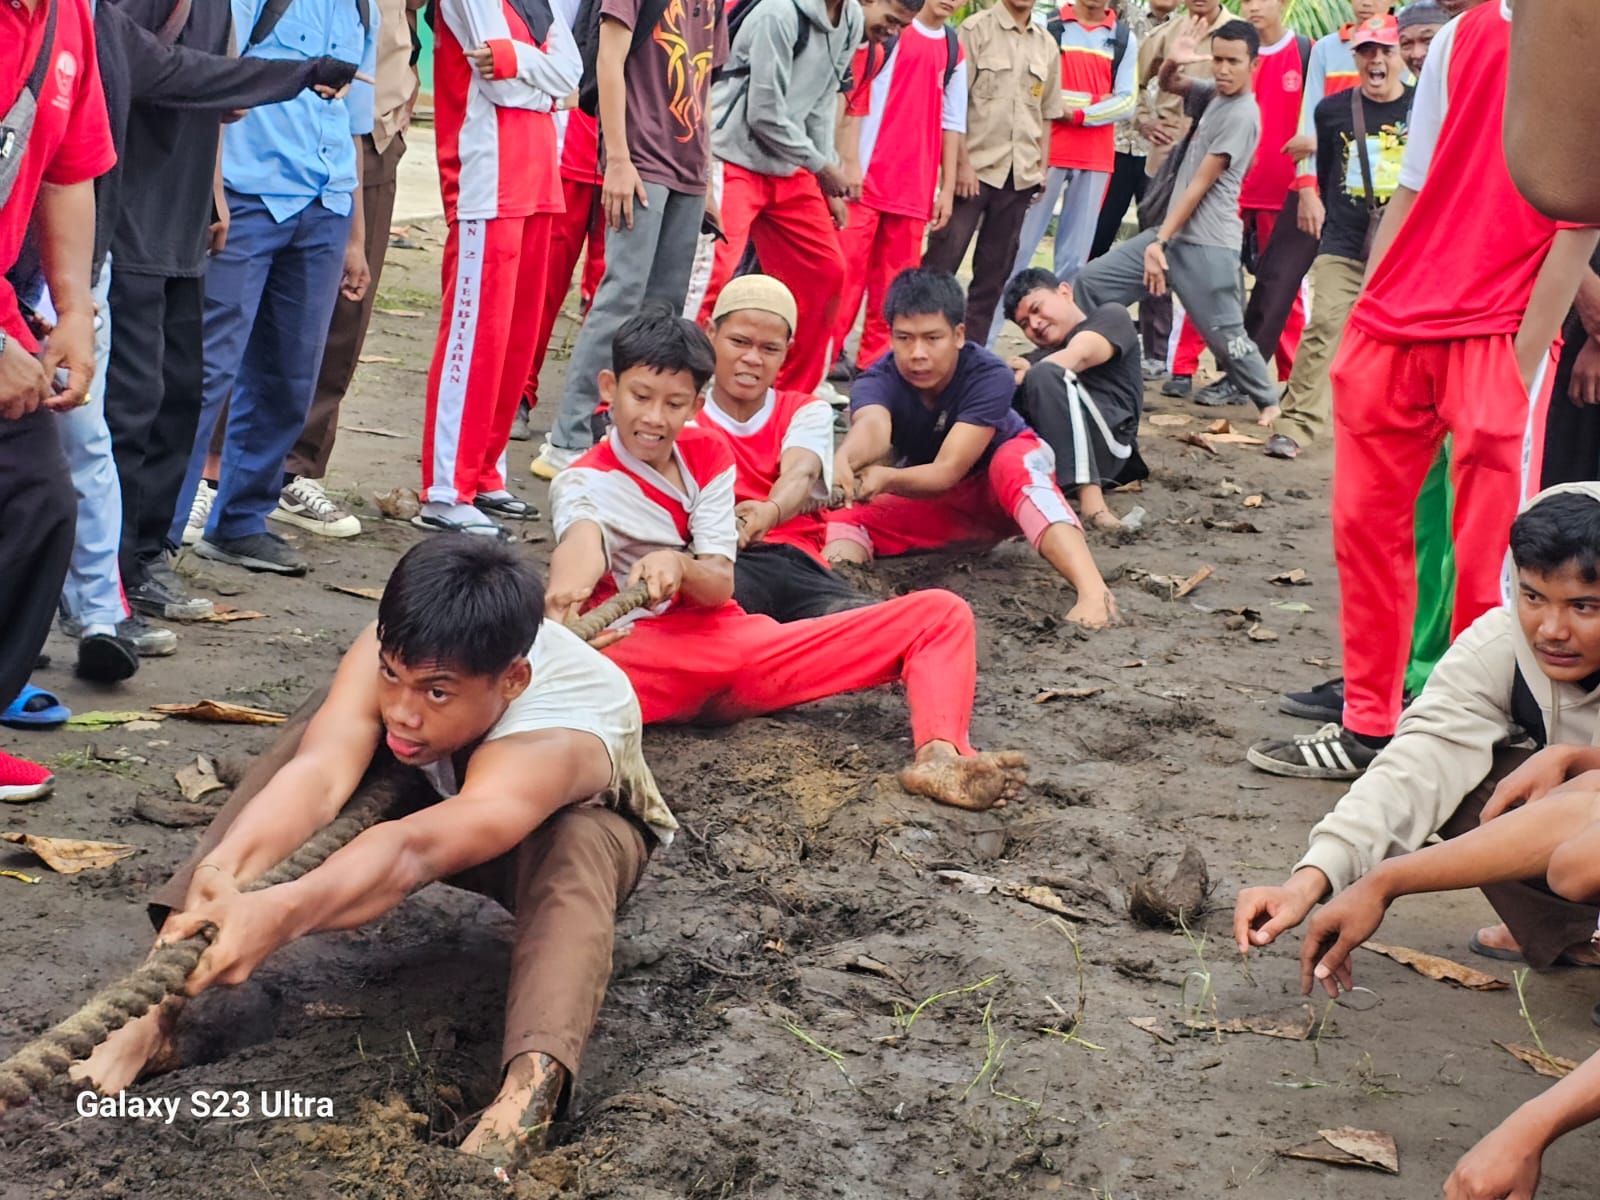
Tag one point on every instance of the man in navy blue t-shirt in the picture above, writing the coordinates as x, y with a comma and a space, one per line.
967, 470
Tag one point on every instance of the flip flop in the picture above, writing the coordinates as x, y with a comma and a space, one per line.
35, 708
1494, 952
106, 658
477, 529
509, 508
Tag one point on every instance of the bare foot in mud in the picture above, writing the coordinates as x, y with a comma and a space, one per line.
1269, 414
516, 1125
1498, 937
139, 1049
1095, 610
977, 781
1105, 521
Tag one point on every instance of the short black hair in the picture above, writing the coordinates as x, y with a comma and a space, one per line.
661, 339
921, 291
911, 6
1240, 31
461, 601
1557, 531
1029, 279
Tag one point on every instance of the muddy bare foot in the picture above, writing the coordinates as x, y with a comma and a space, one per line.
1269, 414
1498, 937
977, 782
1095, 610
1105, 521
516, 1125
138, 1050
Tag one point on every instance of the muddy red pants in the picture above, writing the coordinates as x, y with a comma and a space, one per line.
1015, 493
877, 246
788, 220
584, 223
494, 288
725, 664
1392, 407
1186, 359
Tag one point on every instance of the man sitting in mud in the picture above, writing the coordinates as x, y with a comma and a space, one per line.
782, 443
654, 502
936, 456
1530, 671
520, 749
1081, 389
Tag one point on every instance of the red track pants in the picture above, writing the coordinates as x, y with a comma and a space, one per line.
788, 220
494, 286
877, 246
725, 664
583, 222
1186, 359
1017, 492
1392, 406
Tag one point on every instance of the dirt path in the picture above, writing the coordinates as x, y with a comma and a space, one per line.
769, 1031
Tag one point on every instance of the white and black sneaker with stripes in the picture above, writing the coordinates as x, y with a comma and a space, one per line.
1329, 753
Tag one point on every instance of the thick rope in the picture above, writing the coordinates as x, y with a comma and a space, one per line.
45, 1060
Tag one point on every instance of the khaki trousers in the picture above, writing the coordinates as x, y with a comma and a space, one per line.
1308, 402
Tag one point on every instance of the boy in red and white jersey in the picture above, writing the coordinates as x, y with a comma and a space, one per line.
654, 502
499, 68
782, 443
899, 144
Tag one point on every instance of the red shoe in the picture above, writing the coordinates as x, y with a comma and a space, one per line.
23, 780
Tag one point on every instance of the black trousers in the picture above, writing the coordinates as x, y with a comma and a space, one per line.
1571, 433
999, 211
1128, 182
787, 584
38, 517
1279, 271
153, 392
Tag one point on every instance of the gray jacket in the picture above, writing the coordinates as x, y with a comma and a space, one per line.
773, 112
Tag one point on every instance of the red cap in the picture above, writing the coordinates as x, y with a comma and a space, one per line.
1381, 31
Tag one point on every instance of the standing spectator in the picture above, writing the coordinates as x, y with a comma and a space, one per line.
1430, 352
1099, 71
1015, 94
904, 183
47, 51
1572, 430
1128, 176
303, 502
774, 108
497, 76
655, 138
296, 238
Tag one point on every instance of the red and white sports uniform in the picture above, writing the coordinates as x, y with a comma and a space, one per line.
582, 225
497, 171
721, 664
787, 421
1429, 351
905, 110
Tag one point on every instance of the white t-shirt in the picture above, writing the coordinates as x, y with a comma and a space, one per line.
578, 688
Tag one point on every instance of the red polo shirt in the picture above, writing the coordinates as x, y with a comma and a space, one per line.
71, 138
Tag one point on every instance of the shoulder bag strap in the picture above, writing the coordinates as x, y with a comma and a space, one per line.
1358, 112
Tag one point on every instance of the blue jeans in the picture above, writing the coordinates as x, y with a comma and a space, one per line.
269, 299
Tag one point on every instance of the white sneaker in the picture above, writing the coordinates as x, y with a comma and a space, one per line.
199, 513
304, 504
832, 395
552, 460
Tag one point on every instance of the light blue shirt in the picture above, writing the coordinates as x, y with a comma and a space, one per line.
301, 150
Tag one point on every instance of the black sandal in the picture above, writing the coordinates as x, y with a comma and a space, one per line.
509, 508
106, 658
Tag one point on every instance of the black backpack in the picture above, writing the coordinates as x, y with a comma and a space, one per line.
586, 32
736, 17
1119, 42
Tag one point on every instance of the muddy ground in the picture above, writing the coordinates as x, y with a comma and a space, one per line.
768, 1031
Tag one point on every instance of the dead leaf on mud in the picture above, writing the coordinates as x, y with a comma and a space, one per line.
1442, 969
398, 504
1294, 578
364, 593
198, 778
1195, 439
377, 358
68, 856
401, 312
21, 877
1229, 526
104, 720
374, 430
1296, 1028
869, 965
1347, 1147
222, 713
1253, 501
1169, 420
1194, 581
1152, 1026
1039, 897
1552, 1066
1173, 896
1294, 606
322, 1010
1132, 664
223, 614
1259, 633
1220, 425
1079, 693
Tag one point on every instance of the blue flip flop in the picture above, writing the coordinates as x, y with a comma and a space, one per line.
35, 708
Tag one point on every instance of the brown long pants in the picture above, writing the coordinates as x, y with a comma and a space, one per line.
1543, 923
563, 883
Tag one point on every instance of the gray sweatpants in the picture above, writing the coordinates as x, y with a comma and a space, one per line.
1206, 279
649, 262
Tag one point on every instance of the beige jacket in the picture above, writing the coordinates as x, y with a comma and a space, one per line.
1445, 743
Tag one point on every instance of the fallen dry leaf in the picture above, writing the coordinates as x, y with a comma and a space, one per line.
323, 1011
1131, 664
401, 312
1152, 1026
1435, 967
365, 593
1235, 439
374, 430
1169, 420
1228, 488
1371, 1146
1195, 439
222, 713
68, 856
377, 358
1219, 426
1081, 693
1294, 606
1253, 501
398, 504
1294, 578
198, 778
20, 877
1552, 1066
1039, 897
103, 720
1194, 581
1289, 1028
1259, 633
224, 613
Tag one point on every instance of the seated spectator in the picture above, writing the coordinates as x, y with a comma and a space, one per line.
1532, 670
653, 502
1081, 389
782, 444
936, 456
